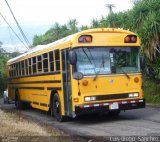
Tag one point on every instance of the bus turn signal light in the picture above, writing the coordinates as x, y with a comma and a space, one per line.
76, 100
85, 39
130, 39
136, 79
85, 82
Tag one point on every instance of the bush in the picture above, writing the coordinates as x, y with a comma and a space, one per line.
151, 90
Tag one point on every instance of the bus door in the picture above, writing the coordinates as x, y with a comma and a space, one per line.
66, 82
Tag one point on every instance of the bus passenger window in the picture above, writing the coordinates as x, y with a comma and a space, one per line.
30, 66
19, 68
34, 65
14, 70
26, 67
51, 61
56, 53
22, 63
10, 70
45, 62
39, 58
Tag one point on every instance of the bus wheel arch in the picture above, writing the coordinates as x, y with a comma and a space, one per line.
55, 106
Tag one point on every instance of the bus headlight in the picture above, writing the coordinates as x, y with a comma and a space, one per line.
133, 95
90, 99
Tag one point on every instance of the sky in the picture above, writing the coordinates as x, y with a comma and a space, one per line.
37, 16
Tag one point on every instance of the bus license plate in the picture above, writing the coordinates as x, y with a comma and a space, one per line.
113, 106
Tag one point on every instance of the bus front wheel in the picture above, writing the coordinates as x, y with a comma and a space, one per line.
57, 112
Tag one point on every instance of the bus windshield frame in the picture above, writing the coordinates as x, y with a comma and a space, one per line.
107, 60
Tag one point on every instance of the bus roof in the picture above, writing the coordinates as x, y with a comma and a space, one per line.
67, 39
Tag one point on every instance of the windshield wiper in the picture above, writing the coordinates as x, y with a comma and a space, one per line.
86, 55
125, 73
101, 65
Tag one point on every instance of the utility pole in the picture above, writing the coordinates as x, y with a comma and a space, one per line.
110, 7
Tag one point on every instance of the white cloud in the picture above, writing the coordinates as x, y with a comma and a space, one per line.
16, 47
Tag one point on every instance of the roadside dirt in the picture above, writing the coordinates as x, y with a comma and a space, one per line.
15, 126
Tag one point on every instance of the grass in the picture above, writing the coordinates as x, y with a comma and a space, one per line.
151, 90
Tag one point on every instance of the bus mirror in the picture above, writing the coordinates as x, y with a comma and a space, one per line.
142, 63
77, 75
72, 57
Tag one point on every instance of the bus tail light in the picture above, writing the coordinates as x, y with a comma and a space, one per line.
130, 39
85, 39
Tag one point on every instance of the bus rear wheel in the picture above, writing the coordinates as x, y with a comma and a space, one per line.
18, 103
57, 112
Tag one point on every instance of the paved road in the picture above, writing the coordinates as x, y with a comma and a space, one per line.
140, 122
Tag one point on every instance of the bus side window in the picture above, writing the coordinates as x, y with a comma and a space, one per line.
10, 70
34, 69
13, 70
39, 63
56, 53
23, 69
16, 70
26, 67
45, 62
51, 61
30, 66
19, 68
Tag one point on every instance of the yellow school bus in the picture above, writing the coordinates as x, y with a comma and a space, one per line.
96, 70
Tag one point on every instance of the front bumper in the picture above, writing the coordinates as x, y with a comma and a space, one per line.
105, 107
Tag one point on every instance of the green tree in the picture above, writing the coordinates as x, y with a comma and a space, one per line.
146, 15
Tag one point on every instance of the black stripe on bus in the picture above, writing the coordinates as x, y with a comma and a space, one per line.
43, 104
33, 82
39, 95
36, 103
54, 88
36, 88
33, 75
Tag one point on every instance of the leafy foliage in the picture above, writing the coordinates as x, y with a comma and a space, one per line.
56, 32
3, 60
4, 57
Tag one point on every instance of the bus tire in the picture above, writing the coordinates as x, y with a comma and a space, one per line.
56, 108
18, 103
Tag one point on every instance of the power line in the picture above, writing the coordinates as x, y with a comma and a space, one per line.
24, 36
13, 30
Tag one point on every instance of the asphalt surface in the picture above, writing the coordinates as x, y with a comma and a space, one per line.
139, 122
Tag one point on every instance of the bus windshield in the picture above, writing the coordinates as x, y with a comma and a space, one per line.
107, 60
